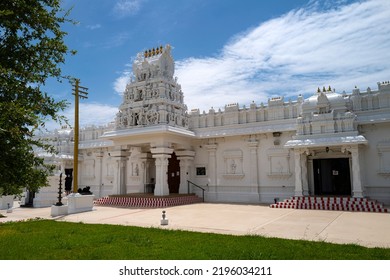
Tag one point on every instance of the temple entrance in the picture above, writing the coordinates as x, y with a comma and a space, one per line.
332, 176
68, 180
173, 174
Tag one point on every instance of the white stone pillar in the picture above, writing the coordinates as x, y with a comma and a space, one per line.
122, 175
305, 184
161, 155
161, 187
254, 172
119, 182
298, 173
144, 170
310, 177
212, 172
99, 168
186, 161
357, 188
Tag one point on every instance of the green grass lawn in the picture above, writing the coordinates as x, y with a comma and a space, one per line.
52, 240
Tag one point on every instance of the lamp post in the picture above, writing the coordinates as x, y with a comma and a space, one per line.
59, 203
78, 92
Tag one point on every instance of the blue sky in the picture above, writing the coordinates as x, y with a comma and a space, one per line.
226, 51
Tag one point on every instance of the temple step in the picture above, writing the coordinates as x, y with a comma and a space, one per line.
148, 201
332, 203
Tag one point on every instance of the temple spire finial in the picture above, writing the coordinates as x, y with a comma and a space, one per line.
154, 51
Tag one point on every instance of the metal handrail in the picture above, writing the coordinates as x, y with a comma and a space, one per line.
188, 185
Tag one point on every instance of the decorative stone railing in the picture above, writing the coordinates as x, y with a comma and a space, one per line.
233, 115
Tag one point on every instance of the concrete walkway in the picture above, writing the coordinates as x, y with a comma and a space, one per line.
367, 229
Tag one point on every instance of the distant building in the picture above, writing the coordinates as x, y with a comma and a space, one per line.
328, 144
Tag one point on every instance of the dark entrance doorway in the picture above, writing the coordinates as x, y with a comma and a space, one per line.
68, 180
332, 176
29, 201
173, 174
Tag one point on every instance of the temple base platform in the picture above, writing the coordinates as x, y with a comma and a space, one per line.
145, 200
331, 203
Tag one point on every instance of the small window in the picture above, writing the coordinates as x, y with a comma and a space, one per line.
323, 110
201, 171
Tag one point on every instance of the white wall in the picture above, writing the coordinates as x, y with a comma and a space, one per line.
376, 161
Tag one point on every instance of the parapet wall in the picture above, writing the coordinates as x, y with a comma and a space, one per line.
277, 109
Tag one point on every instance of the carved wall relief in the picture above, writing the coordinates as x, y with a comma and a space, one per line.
384, 158
233, 160
279, 162
110, 170
88, 169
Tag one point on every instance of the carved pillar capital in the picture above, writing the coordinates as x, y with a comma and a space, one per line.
302, 151
345, 148
253, 144
211, 147
161, 150
98, 154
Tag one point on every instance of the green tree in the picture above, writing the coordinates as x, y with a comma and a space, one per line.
32, 49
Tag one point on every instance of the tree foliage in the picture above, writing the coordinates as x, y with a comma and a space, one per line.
32, 50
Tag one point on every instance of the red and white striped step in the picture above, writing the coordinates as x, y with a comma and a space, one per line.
332, 203
147, 202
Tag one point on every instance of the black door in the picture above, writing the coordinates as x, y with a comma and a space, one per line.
173, 174
332, 176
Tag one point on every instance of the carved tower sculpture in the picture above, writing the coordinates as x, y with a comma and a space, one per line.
154, 97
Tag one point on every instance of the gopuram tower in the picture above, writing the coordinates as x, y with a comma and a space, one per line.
154, 97
151, 129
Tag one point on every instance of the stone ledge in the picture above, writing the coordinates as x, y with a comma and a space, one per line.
79, 203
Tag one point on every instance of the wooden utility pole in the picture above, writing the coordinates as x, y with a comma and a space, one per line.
78, 94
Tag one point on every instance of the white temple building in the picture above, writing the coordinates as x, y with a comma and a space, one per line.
330, 144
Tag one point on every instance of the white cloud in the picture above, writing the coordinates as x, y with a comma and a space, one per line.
89, 114
94, 26
93, 114
121, 82
116, 40
340, 45
113, 41
293, 54
124, 8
